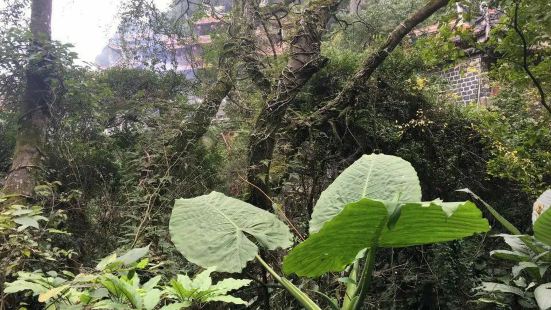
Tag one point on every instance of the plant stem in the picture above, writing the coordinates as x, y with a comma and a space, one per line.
508, 225
365, 280
351, 287
299, 295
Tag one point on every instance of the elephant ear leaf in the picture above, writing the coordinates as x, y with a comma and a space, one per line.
542, 204
215, 230
376, 176
364, 224
541, 217
542, 227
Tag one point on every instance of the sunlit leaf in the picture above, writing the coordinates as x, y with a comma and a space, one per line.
228, 299
363, 223
543, 296
376, 176
44, 297
151, 299
134, 255
214, 230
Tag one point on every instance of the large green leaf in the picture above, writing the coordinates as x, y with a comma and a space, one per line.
542, 204
431, 223
376, 176
214, 230
134, 255
493, 287
337, 243
542, 227
543, 296
364, 223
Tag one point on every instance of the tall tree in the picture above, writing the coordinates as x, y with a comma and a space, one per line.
31, 136
239, 46
304, 61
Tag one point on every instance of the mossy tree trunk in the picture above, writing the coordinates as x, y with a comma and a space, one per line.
304, 61
232, 51
28, 158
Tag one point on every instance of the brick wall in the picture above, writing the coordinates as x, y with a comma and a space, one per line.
468, 81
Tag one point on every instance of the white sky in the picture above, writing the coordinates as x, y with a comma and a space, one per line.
87, 24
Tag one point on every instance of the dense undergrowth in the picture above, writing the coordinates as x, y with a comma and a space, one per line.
116, 164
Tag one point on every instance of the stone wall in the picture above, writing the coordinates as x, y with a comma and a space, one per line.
468, 81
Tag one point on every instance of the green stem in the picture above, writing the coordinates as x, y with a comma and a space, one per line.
365, 280
351, 287
508, 225
299, 295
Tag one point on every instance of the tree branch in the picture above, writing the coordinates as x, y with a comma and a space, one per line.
356, 84
525, 66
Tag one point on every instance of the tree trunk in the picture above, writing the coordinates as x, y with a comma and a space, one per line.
31, 136
232, 50
304, 61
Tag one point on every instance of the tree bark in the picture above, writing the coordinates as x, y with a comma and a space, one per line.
304, 61
351, 90
31, 136
201, 119
232, 51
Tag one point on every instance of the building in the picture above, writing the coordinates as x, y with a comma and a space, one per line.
141, 49
467, 79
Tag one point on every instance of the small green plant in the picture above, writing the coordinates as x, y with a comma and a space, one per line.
185, 291
376, 202
27, 239
116, 284
529, 282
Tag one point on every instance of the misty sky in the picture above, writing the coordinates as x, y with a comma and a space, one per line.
87, 24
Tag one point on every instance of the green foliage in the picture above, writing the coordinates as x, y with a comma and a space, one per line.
201, 289
116, 285
519, 140
28, 238
529, 276
534, 21
379, 177
114, 147
220, 227
209, 230
394, 222
531, 262
369, 223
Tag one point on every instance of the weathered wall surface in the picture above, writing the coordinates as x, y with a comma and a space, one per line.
468, 81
